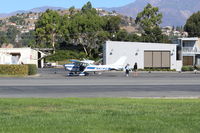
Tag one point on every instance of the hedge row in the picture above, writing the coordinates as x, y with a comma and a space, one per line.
32, 69
187, 68
29, 69
156, 69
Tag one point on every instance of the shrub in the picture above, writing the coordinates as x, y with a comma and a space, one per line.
157, 69
61, 55
32, 69
187, 68
191, 68
13, 70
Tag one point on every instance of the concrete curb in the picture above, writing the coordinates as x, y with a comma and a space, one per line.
32, 76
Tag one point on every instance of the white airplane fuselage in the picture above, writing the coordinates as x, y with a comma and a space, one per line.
91, 68
88, 66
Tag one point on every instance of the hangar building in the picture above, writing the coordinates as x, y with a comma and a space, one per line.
146, 55
21, 56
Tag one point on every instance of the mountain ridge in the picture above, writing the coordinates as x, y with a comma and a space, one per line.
175, 12
37, 9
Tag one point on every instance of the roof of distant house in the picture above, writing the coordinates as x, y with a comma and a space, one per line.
189, 39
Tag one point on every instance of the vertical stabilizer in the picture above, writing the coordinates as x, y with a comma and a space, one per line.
121, 61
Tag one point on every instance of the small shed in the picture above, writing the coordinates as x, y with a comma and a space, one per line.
21, 56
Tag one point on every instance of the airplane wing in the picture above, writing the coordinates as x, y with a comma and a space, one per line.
75, 61
82, 62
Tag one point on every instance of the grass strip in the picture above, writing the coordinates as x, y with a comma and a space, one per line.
99, 115
11, 76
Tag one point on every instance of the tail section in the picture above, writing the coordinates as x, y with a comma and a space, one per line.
120, 62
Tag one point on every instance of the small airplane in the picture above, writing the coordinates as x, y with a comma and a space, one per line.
83, 67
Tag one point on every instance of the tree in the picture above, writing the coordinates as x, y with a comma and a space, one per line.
112, 24
3, 37
87, 7
149, 20
28, 39
192, 25
12, 33
64, 29
132, 37
72, 11
122, 35
154, 35
2, 23
149, 17
85, 29
17, 19
47, 29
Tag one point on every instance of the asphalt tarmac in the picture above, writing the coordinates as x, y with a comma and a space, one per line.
54, 83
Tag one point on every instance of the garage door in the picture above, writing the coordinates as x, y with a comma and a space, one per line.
148, 59
187, 60
166, 59
157, 59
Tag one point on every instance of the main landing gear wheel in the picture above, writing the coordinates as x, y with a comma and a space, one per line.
70, 74
83, 74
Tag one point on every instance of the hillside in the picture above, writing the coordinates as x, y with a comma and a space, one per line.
35, 10
175, 12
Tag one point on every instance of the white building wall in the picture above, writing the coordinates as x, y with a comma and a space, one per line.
193, 50
27, 55
34, 57
5, 58
179, 65
134, 51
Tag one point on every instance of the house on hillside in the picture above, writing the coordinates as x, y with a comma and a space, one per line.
11, 23
170, 31
34, 16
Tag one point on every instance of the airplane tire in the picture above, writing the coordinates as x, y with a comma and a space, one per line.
70, 74
86, 74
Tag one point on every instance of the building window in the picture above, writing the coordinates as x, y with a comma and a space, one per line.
188, 43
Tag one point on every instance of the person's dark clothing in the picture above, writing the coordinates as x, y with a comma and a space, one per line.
135, 67
127, 71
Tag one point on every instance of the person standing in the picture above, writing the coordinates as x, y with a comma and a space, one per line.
135, 67
127, 69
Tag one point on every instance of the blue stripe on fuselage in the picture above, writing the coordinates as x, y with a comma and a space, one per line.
91, 67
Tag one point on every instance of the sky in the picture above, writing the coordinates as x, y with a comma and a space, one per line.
7, 6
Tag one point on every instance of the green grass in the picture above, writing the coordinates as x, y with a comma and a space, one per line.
7, 76
99, 115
